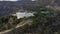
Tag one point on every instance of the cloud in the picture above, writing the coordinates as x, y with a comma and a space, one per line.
33, 0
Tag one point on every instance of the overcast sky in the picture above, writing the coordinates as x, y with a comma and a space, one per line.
12, 0
8, 0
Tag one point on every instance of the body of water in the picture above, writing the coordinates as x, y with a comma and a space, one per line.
23, 14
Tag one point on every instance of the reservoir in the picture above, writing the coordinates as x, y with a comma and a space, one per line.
23, 14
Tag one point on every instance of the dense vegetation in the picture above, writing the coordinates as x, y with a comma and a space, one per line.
8, 22
45, 21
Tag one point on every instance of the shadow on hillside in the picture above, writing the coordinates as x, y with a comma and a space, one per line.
16, 31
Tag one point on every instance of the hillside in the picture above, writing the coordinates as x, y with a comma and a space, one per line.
10, 7
44, 21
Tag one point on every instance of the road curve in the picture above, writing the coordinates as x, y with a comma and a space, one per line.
18, 25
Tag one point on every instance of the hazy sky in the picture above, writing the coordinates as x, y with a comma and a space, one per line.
8, 0
33, 0
13, 0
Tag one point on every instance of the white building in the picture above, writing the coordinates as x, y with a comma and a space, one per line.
23, 14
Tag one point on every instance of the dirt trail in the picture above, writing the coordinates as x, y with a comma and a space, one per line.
18, 25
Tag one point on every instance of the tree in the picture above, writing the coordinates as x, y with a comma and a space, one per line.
44, 19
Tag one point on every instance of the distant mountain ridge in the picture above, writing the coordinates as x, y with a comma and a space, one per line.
53, 2
46, 2
9, 7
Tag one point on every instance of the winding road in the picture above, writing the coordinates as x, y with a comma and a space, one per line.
18, 25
